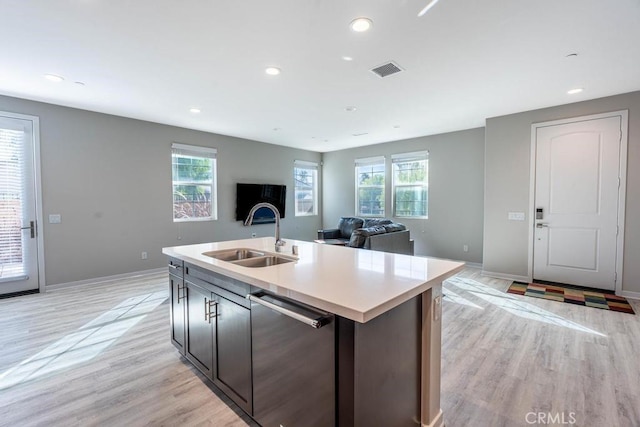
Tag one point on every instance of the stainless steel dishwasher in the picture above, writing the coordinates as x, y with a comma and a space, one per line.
293, 351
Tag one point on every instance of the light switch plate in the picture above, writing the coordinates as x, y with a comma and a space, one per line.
55, 219
516, 216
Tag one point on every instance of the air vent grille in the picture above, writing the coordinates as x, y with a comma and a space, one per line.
387, 69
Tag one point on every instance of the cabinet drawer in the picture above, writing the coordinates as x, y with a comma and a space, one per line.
235, 286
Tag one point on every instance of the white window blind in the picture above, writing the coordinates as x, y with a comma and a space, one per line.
370, 186
410, 184
194, 182
305, 177
12, 189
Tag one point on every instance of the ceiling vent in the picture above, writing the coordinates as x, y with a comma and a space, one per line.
387, 69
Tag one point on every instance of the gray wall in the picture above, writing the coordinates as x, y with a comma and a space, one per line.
110, 179
507, 162
455, 191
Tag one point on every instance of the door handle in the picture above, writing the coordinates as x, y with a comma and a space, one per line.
32, 227
541, 225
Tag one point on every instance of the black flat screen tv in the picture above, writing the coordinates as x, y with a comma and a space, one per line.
248, 195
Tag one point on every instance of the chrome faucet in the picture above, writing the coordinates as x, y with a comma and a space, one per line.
279, 243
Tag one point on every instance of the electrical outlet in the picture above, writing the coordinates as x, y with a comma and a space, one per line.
253, 235
465, 248
144, 255
55, 218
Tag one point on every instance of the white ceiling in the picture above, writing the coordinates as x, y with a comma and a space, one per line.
464, 61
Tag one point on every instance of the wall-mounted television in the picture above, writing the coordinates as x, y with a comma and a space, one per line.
248, 195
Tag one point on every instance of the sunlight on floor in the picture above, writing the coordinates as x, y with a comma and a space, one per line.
85, 343
513, 304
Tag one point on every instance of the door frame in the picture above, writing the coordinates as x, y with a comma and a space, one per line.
35, 145
622, 188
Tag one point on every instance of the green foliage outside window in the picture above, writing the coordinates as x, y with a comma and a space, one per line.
410, 182
192, 187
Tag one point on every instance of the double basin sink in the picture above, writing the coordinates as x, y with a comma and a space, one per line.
248, 257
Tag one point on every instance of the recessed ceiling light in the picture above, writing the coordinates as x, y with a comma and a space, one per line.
571, 55
272, 71
276, 129
360, 25
79, 83
396, 126
54, 78
195, 110
347, 58
350, 108
360, 134
574, 91
427, 7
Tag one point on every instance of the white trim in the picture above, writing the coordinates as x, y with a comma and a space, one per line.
629, 295
38, 190
472, 264
418, 155
97, 280
370, 161
304, 164
504, 276
624, 124
194, 149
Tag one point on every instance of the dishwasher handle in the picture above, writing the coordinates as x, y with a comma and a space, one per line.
316, 323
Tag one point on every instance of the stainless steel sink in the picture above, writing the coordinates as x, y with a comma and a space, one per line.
263, 261
234, 254
247, 257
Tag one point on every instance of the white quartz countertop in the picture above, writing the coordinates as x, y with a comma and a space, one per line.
357, 284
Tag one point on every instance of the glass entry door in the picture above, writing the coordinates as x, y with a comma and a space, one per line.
18, 204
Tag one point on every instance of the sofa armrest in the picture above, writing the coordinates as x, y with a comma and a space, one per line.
329, 233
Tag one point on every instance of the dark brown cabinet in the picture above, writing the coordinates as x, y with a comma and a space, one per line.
199, 324
211, 326
232, 357
176, 294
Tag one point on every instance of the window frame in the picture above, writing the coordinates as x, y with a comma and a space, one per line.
309, 166
422, 156
370, 161
198, 152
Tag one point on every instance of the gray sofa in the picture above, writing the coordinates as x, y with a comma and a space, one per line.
377, 234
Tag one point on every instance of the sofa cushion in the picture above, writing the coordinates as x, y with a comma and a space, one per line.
359, 236
373, 222
393, 227
347, 224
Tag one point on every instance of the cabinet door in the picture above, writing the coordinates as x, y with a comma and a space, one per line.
233, 352
177, 291
199, 346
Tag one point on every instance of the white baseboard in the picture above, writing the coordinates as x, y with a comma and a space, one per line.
630, 295
513, 277
472, 264
104, 279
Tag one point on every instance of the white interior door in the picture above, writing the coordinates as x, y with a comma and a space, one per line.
576, 200
18, 213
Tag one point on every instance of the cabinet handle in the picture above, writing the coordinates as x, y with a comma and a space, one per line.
181, 288
175, 267
207, 309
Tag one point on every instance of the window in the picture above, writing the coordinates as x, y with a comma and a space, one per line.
410, 184
305, 178
370, 174
194, 183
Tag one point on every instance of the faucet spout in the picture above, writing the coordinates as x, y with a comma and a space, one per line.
279, 243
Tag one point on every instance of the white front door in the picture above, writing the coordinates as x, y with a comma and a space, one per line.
576, 201
18, 213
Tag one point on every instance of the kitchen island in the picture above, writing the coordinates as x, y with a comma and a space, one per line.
376, 318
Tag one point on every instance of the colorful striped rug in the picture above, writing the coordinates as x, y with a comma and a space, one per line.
572, 295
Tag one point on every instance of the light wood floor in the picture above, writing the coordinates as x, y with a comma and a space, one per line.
99, 355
